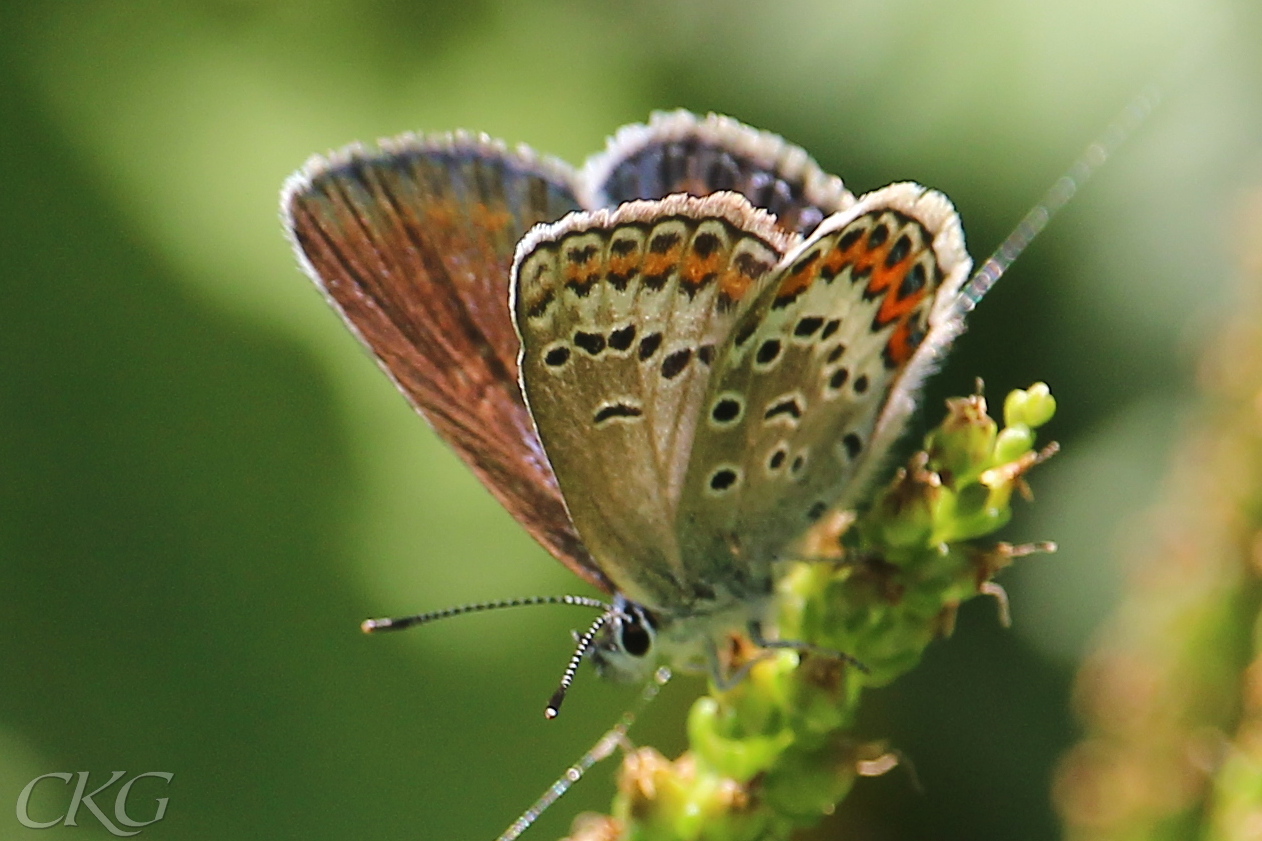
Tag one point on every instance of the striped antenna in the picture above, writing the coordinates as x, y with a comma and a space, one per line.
375, 626
1123, 125
584, 645
608, 743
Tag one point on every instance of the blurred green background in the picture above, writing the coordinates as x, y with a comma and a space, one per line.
207, 484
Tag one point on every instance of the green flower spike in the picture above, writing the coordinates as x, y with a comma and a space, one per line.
777, 751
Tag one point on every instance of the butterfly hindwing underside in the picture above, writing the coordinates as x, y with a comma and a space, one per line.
819, 372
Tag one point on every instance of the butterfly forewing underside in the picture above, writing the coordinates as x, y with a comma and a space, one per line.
621, 314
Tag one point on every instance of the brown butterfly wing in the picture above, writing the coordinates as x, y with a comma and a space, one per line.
412, 244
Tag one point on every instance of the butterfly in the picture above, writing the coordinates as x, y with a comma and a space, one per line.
666, 365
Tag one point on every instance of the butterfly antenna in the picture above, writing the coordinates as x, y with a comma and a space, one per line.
372, 626
616, 736
580, 651
1058, 195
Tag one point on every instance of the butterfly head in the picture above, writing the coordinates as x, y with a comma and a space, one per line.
626, 649
633, 640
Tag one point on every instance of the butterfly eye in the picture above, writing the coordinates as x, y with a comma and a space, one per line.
636, 631
635, 638
623, 650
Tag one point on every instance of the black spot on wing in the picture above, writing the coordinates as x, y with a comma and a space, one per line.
704, 244
539, 307
746, 331
807, 326
620, 280
849, 238
579, 256
675, 362
804, 263
853, 444
663, 242
581, 288
726, 410
657, 281
898, 253
617, 410
789, 407
879, 236
723, 479
750, 266
593, 343
622, 338
649, 345
913, 281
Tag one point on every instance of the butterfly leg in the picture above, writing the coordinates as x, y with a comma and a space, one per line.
724, 680
756, 636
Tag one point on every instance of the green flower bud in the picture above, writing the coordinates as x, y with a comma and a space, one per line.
960, 447
1031, 407
739, 758
1014, 442
904, 515
980, 509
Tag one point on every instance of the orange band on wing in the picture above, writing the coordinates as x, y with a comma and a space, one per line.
659, 264
892, 271
581, 266
799, 279
697, 271
888, 281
